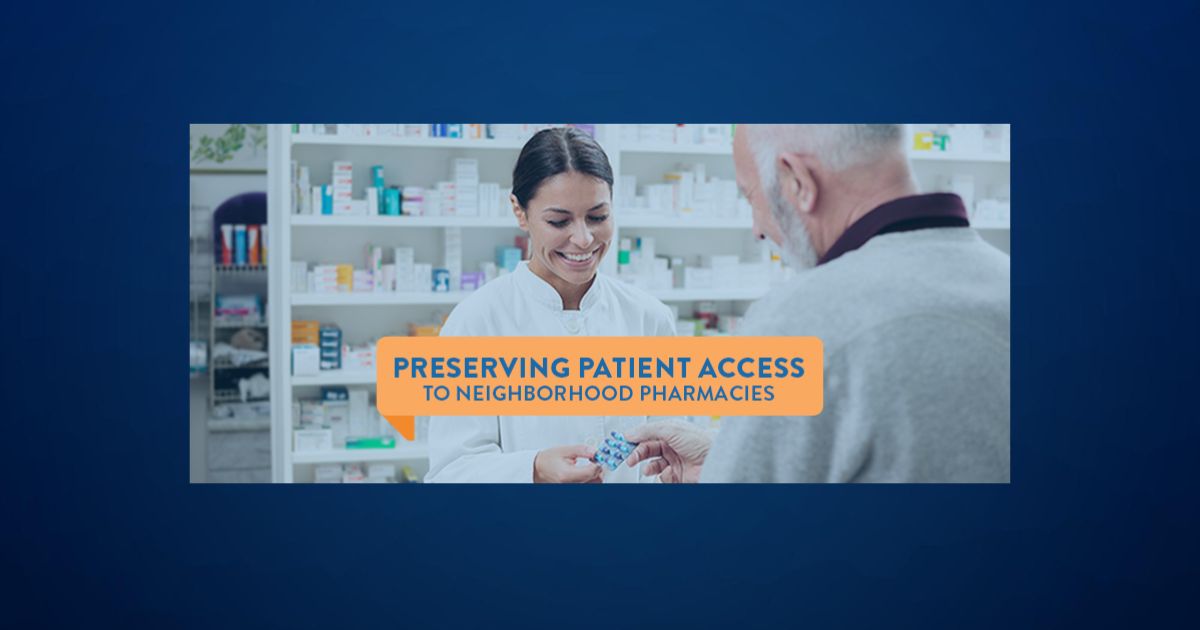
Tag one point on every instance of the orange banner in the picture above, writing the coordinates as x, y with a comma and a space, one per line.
620, 376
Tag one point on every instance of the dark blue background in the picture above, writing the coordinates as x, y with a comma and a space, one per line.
1098, 524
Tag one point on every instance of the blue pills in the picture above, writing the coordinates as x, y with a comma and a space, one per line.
613, 451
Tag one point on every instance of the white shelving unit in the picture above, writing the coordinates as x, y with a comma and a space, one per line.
336, 377
320, 221
341, 239
377, 299
384, 141
402, 452
422, 161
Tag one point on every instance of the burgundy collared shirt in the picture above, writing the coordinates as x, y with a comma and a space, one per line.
905, 214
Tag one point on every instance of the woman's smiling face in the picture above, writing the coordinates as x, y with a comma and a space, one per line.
570, 228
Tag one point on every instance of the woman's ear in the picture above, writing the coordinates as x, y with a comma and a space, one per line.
519, 212
798, 182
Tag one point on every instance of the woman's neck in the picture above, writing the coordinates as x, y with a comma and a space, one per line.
571, 294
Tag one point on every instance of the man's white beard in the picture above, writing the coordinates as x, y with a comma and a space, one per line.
797, 250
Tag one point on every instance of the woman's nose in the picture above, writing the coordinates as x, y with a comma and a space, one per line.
582, 236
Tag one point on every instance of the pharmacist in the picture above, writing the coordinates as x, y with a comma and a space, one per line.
911, 304
562, 195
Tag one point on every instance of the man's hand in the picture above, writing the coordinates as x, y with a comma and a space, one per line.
675, 449
557, 465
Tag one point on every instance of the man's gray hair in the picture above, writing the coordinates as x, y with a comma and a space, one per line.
838, 147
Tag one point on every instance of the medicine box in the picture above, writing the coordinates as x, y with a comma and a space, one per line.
312, 440
306, 360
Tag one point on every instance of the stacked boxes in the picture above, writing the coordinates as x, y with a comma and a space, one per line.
306, 360
312, 440
697, 278
387, 280
490, 200
331, 279
413, 201
363, 281
683, 189
374, 269
302, 200
305, 331
423, 277
432, 202
342, 187
299, 276
725, 270
335, 403
466, 187
406, 279
328, 473
345, 277
452, 255
359, 358
362, 422
323, 279
447, 199
306, 357
331, 347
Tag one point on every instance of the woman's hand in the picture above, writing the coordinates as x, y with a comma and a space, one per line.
557, 465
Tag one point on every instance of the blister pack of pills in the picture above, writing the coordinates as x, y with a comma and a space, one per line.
614, 451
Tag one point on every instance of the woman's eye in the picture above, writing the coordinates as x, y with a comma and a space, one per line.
558, 224
599, 219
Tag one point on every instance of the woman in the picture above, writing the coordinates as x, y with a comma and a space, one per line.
562, 197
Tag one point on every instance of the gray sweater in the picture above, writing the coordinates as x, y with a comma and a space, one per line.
916, 333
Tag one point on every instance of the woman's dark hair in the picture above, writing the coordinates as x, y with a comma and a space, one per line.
555, 151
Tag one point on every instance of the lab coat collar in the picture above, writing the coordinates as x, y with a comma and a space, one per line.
541, 292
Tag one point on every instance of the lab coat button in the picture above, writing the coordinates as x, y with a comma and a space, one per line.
573, 326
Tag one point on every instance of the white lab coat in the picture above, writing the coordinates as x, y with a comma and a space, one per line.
476, 449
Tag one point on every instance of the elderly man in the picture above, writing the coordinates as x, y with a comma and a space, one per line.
912, 306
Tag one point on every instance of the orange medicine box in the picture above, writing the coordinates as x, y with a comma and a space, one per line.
305, 331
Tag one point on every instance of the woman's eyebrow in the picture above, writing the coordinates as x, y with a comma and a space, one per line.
565, 211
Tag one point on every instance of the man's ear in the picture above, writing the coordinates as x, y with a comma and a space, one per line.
797, 181
522, 217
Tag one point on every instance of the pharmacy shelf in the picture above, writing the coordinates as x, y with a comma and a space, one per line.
682, 149
230, 425
235, 397
225, 365
225, 325
377, 299
386, 141
239, 268
930, 156
692, 295
336, 377
317, 220
344, 456
680, 221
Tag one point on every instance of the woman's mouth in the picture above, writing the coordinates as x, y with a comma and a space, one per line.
578, 260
